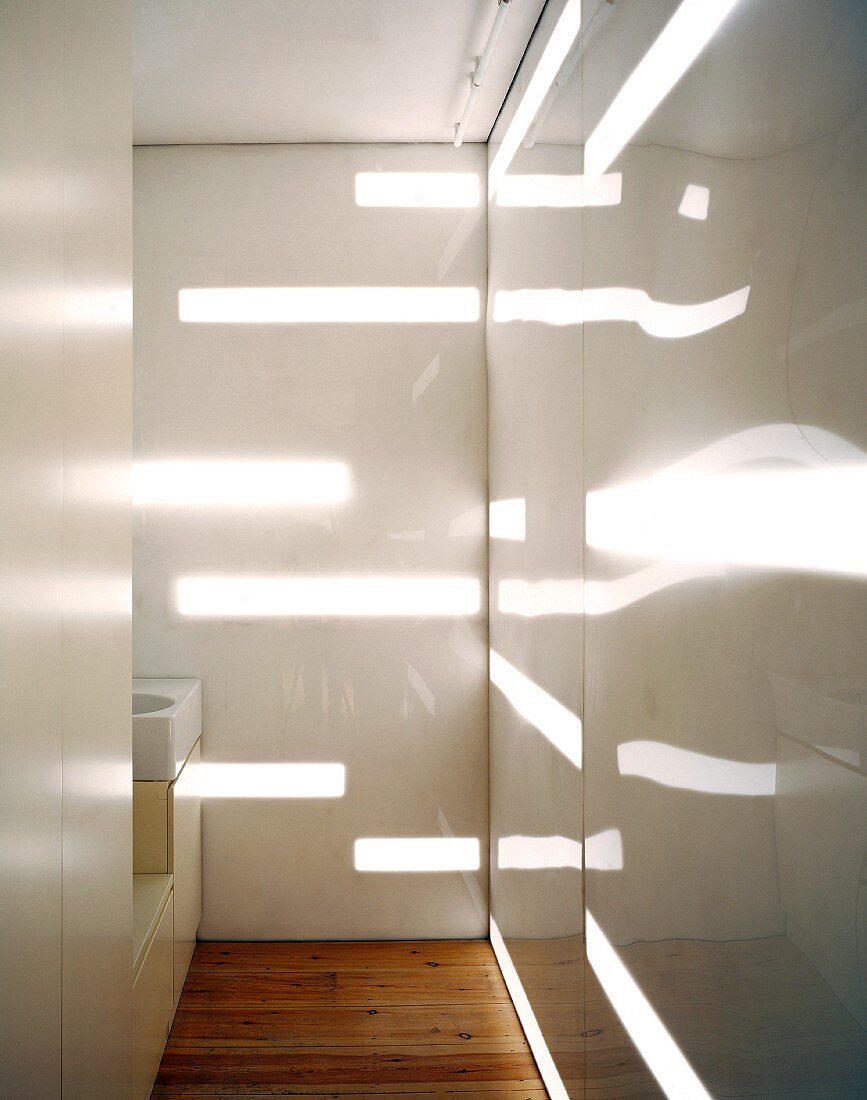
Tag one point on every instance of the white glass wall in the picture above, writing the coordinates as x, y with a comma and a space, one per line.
676, 333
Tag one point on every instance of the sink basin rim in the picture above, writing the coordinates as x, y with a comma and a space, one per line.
163, 739
148, 697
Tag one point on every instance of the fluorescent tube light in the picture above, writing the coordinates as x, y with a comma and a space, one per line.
323, 596
417, 854
454, 190
325, 305
239, 484
554, 54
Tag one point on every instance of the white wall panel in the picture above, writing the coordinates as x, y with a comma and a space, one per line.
393, 690
65, 648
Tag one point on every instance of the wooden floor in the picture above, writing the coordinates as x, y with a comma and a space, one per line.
409, 1019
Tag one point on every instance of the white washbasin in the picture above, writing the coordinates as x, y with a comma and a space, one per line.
166, 723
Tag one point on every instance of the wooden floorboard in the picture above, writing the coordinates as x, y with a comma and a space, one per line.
408, 1019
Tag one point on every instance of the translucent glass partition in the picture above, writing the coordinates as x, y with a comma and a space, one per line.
676, 324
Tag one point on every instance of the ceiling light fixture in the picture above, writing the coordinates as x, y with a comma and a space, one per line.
481, 68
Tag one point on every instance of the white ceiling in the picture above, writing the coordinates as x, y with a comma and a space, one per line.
213, 71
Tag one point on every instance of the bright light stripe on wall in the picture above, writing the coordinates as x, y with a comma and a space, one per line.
684, 37
325, 305
561, 727
507, 519
417, 853
603, 597
686, 770
666, 1061
669, 320
783, 519
604, 851
554, 54
548, 1071
572, 596
244, 484
535, 853
456, 190
558, 191
366, 596
695, 202
272, 780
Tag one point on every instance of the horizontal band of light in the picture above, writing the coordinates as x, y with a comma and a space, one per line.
554, 721
272, 780
667, 320
695, 202
367, 596
604, 852
507, 519
243, 484
417, 853
326, 305
548, 1071
676, 1077
604, 597
536, 853
682, 39
559, 191
572, 596
554, 54
686, 770
784, 519
456, 190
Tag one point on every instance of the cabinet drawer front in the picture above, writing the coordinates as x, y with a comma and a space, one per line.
153, 1005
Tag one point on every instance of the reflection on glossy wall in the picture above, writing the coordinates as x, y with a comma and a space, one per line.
676, 363
310, 523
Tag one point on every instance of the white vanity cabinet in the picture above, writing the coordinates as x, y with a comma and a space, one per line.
184, 847
167, 892
152, 999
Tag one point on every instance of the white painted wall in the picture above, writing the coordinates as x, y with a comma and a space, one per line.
65, 426
400, 701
